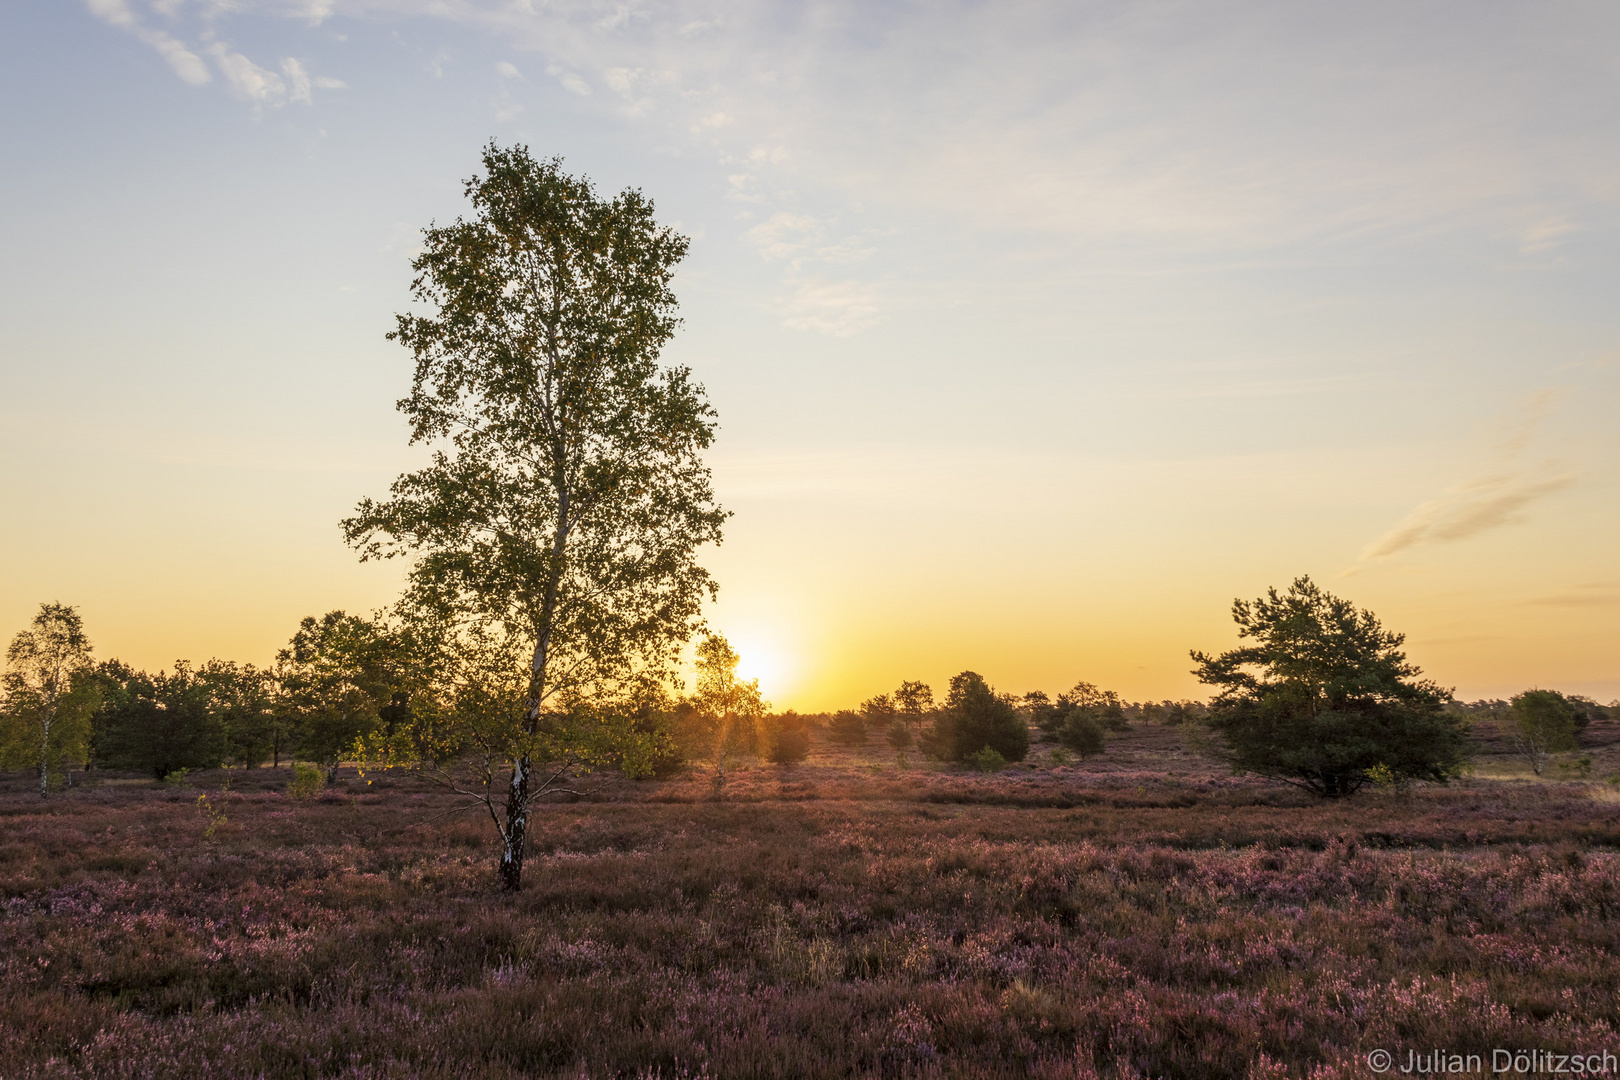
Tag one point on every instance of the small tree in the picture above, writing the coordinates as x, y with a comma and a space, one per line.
787, 738
913, 702
878, 711
1324, 694
728, 711
48, 699
975, 717
558, 522
1544, 723
337, 675
847, 728
1083, 733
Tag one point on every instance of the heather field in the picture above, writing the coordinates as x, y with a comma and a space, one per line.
1139, 915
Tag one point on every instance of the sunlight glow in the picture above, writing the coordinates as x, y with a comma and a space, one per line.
763, 656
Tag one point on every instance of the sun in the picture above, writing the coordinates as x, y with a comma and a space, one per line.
762, 655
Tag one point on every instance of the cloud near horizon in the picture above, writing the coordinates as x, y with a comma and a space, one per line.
1496, 498
1466, 511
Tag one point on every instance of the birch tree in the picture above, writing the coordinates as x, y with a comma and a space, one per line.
554, 533
728, 711
48, 702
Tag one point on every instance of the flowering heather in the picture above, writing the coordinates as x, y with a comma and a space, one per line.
824, 920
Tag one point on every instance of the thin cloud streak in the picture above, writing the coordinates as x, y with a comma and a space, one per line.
1497, 498
1464, 512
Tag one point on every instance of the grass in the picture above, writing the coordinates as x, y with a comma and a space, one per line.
1140, 915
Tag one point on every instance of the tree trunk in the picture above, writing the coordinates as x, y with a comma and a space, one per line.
517, 825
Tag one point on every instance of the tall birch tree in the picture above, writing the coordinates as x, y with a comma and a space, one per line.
48, 702
555, 531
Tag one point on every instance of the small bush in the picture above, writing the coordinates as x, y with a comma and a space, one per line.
1580, 768
988, 760
177, 778
848, 728
789, 746
1083, 734
212, 816
307, 781
1381, 776
900, 735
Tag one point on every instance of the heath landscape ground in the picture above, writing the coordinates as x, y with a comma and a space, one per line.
1138, 915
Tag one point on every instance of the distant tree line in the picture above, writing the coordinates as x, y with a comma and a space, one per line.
345, 686
340, 678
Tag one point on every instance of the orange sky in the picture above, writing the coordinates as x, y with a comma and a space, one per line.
1028, 363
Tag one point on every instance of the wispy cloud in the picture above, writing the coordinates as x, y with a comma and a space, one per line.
262, 86
1494, 498
186, 64
1184, 126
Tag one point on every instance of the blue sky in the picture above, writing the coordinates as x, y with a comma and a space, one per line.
1037, 332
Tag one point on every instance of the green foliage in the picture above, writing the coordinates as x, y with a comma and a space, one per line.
1579, 768
307, 781
787, 738
1098, 708
1544, 723
1324, 694
1174, 713
1083, 733
913, 701
847, 728
554, 533
976, 717
338, 674
177, 779
728, 714
1382, 776
987, 761
214, 818
899, 736
47, 698
158, 724
878, 712
240, 699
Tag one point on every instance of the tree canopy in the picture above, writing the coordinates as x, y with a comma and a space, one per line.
557, 524
1323, 694
974, 718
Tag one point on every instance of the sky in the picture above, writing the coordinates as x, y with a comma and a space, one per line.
1037, 332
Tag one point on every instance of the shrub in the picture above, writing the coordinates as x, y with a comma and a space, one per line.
307, 781
975, 717
1544, 722
789, 746
900, 735
1083, 734
1324, 694
988, 761
847, 728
